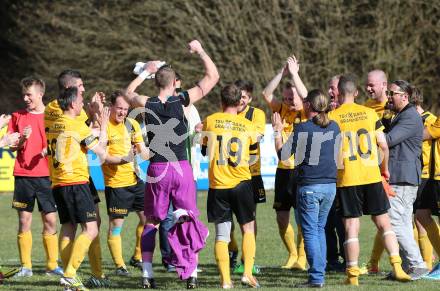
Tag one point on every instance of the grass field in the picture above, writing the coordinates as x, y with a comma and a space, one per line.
270, 255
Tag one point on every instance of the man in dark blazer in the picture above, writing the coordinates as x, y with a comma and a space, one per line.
404, 140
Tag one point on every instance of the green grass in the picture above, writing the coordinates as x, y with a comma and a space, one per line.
270, 255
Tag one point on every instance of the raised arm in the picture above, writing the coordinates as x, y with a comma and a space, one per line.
133, 98
205, 85
101, 148
293, 66
271, 87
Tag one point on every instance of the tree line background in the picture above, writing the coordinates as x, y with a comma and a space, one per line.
247, 39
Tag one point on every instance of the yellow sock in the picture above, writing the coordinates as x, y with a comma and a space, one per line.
352, 276
65, 250
95, 257
79, 250
137, 249
415, 233
233, 246
222, 258
24, 241
434, 236
115, 247
426, 250
248, 249
288, 237
399, 273
302, 259
376, 252
50, 242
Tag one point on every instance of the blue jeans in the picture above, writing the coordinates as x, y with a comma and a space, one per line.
314, 203
164, 227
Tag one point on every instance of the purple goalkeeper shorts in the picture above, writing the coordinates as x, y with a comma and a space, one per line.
172, 181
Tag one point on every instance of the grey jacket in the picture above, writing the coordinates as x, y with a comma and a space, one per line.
404, 139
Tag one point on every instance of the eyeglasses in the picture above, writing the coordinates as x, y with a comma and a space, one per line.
392, 93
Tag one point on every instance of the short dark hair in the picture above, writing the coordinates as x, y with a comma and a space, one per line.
164, 76
67, 97
347, 84
230, 95
244, 85
28, 82
115, 94
65, 78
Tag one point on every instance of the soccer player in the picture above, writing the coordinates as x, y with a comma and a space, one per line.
292, 113
169, 173
359, 181
229, 140
124, 191
32, 181
429, 157
334, 229
430, 199
66, 79
258, 118
68, 140
333, 91
376, 86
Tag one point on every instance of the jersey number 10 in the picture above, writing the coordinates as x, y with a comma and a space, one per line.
354, 143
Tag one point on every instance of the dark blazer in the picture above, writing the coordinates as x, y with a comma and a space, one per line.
404, 140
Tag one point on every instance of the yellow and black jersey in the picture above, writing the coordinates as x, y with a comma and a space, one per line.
384, 114
53, 112
290, 119
377, 106
121, 138
228, 140
68, 140
434, 159
428, 147
258, 119
359, 154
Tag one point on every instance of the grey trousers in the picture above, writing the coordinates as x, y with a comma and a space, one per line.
401, 213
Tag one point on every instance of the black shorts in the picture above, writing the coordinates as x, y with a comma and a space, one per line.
368, 199
75, 203
27, 189
120, 201
258, 188
238, 200
94, 191
420, 189
430, 197
285, 190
